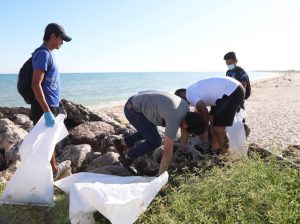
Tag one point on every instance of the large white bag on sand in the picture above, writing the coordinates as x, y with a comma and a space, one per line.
32, 182
120, 199
237, 135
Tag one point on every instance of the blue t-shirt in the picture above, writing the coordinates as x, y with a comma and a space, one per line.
41, 60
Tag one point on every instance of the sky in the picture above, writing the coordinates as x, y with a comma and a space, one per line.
154, 35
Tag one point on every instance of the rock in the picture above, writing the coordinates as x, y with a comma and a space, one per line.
78, 114
64, 174
9, 112
148, 164
118, 170
97, 154
107, 119
91, 133
79, 155
13, 153
297, 160
59, 148
22, 120
265, 154
291, 151
109, 158
10, 134
9, 172
108, 141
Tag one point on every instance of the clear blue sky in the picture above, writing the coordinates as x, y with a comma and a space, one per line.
154, 35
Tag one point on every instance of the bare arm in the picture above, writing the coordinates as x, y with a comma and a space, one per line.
184, 137
36, 85
167, 155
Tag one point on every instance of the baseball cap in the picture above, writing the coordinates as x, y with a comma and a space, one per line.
58, 30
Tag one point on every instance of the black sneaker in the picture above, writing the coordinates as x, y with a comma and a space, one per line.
119, 147
127, 163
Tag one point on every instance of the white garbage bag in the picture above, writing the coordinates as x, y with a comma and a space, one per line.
120, 199
32, 183
237, 136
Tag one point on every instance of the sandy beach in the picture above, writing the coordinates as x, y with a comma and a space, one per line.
272, 112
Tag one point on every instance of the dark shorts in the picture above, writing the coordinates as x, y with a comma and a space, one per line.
37, 112
226, 107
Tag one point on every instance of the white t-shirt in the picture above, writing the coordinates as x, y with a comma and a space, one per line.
209, 90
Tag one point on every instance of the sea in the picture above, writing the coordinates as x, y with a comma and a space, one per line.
97, 90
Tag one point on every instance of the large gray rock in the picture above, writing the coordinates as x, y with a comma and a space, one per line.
10, 134
23, 121
91, 133
9, 112
78, 114
109, 158
79, 155
118, 170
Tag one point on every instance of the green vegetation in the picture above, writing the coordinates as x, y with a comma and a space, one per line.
247, 191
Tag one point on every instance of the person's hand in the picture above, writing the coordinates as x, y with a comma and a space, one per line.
49, 119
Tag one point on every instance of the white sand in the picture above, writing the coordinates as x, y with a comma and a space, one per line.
273, 112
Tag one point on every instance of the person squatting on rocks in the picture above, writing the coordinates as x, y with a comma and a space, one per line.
147, 110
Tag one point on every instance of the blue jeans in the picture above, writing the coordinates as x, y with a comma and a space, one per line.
146, 131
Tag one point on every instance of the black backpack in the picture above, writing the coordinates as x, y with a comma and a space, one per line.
25, 79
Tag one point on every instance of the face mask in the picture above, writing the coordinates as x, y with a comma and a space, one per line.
230, 67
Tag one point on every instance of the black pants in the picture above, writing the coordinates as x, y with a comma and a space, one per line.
226, 107
37, 111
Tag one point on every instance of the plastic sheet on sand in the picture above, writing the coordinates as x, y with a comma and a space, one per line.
32, 183
237, 135
120, 199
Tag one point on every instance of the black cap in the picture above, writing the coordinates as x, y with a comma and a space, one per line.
58, 30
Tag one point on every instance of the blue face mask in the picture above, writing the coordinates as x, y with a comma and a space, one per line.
230, 67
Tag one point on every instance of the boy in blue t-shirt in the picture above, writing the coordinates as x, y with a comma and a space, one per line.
46, 81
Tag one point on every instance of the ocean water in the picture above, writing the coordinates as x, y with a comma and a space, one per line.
109, 89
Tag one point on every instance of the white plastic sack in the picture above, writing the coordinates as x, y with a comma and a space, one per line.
120, 199
237, 135
32, 182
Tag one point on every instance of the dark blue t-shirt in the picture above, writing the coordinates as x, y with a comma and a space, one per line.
41, 60
239, 74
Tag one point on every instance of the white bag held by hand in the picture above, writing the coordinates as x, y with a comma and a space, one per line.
32, 183
120, 199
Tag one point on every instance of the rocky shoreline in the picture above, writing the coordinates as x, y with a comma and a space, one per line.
90, 144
